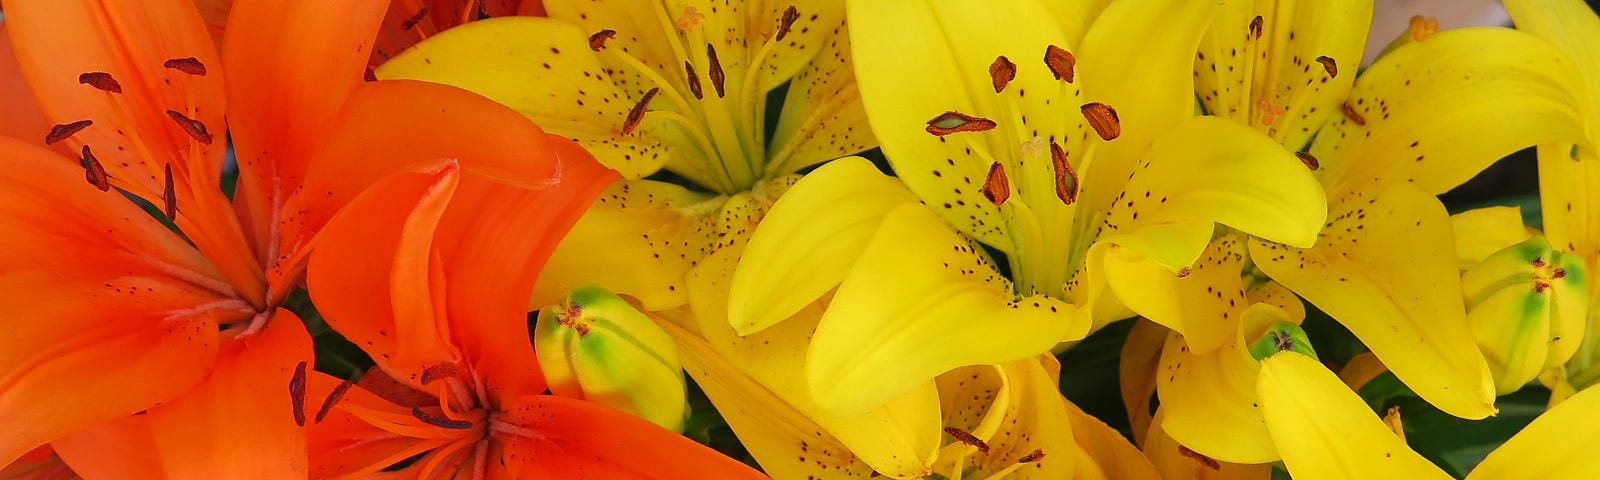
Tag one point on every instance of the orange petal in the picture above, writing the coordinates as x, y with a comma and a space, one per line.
239, 423
341, 443
411, 21
215, 12
558, 437
40, 464
23, 119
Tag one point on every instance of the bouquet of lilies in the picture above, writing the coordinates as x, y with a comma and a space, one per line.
817, 239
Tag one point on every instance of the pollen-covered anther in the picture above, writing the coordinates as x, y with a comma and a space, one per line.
169, 195
189, 65
1423, 27
101, 81
297, 394
968, 438
951, 122
1034, 456
194, 128
1310, 161
440, 422
93, 171
715, 70
1103, 119
1066, 177
996, 187
1002, 72
1060, 61
416, 18
786, 22
597, 41
690, 19
65, 131
1198, 457
1351, 114
1256, 27
333, 399
438, 371
636, 114
1329, 66
1270, 112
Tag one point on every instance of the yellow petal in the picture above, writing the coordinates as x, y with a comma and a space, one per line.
1384, 269
1136, 372
1105, 453
822, 116
1329, 432
1555, 445
1210, 399
1361, 369
905, 314
1437, 112
809, 240
1574, 29
1076, 17
1015, 409
1483, 231
1174, 460
1201, 305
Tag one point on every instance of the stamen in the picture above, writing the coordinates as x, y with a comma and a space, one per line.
951, 122
440, 422
1204, 460
694, 80
169, 196
438, 371
64, 131
1540, 286
1310, 161
1350, 113
1329, 65
93, 171
1103, 119
1002, 72
597, 41
1066, 178
1537, 262
787, 21
965, 437
690, 19
1037, 454
1255, 27
1423, 27
1060, 62
297, 389
636, 114
189, 65
997, 188
333, 399
193, 127
100, 80
410, 23
716, 74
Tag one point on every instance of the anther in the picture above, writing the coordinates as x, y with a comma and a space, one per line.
1537, 262
787, 21
1255, 27
101, 81
333, 399
1103, 119
1037, 455
189, 65
951, 122
1066, 178
1002, 72
997, 188
1558, 273
1540, 286
598, 40
636, 114
694, 80
1310, 161
440, 422
965, 437
1350, 113
193, 127
412, 22
1184, 272
297, 394
66, 130
1060, 62
716, 69
1198, 457
438, 371
1329, 65
93, 171
168, 196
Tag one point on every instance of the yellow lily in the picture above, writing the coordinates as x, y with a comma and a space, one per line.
1053, 151
676, 86
1569, 170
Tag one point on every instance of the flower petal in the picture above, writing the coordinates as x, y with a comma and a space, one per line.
1174, 460
904, 315
23, 119
1200, 305
1482, 231
558, 437
1210, 398
1336, 434
1105, 450
1551, 446
822, 117
1137, 368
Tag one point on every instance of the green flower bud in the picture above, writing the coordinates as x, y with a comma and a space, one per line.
1527, 305
1282, 337
597, 347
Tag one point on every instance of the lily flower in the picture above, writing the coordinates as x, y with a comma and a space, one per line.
179, 322
405, 23
439, 302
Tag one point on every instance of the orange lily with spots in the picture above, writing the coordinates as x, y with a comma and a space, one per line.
149, 342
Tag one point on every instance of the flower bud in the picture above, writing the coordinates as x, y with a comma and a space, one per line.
597, 347
1526, 304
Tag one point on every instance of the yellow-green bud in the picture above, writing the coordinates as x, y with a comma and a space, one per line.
1527, 304
595, 346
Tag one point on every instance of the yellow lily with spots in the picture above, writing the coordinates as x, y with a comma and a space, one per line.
1050, 147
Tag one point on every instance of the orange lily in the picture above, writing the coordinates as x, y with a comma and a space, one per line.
407, 21
139, 352
459, 349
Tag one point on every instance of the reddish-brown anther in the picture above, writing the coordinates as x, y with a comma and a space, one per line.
787, 21
1255, 27
169, 196
1559, 273
1035, 456
1329, 65
965, 437
333, 399
636, 114
1066, 177
1002, 72
598, 40
66, 130
1537, 262
189, 65
1184, 272
1198, 457
412, 22
93, 171
439, 421
997, 188
297, 390
1351, 114
438, 371
951, 122
1103, 119
694, 80
101, 81
715, 71
1310, 161
1060, 62
194, 128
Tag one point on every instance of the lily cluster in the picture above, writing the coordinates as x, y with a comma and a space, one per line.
521, 239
